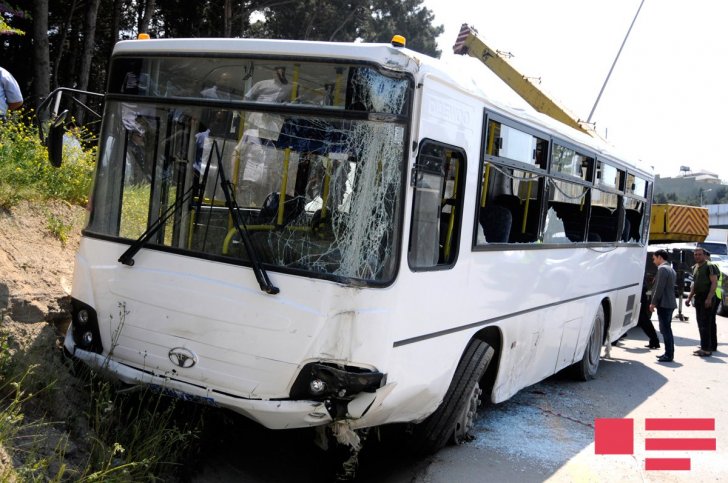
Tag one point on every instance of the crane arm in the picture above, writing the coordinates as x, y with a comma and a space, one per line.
469, 43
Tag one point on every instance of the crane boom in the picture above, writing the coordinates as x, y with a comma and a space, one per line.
469, 43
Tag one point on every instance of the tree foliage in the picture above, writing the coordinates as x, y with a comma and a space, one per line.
70, 29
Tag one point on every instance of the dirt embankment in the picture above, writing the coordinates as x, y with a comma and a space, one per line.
36, 269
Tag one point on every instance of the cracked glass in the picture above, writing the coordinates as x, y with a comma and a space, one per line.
317, 192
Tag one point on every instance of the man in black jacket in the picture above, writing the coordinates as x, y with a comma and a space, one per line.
663, 299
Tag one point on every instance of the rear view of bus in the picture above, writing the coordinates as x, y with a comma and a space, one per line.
245, 224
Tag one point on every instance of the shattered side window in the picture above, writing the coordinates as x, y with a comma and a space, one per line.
566, 219
604, 219
634, 220
509, 208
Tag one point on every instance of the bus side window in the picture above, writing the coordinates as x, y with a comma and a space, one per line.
437, 206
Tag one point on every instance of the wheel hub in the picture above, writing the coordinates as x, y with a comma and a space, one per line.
467, 418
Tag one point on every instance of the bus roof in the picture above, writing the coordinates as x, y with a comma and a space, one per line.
395, 58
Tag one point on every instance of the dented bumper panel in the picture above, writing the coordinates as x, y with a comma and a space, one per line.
273, 414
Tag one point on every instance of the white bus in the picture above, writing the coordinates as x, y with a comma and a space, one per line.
344, 234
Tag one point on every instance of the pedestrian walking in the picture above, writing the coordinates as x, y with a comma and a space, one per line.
663, 300
705, 282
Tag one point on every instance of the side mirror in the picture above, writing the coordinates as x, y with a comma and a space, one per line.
54, 140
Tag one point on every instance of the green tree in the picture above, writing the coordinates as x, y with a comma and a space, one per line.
368, 21
721, 195
7, 10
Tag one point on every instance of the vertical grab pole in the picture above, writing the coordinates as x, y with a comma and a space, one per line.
525, 207
451, 222
284, 187
328, 164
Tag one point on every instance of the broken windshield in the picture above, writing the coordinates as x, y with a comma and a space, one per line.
317, 193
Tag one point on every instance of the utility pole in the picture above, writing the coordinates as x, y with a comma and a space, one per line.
615, 62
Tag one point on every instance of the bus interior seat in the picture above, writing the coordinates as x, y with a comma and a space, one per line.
573, 218
496, 221
268, 215
604, 222
512, 203
626, 231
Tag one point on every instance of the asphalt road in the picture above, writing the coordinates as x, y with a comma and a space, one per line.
544, 433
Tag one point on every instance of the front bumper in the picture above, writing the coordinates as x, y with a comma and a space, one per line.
273, 414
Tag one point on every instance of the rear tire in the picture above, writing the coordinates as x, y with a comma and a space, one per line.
454, 418
586, 368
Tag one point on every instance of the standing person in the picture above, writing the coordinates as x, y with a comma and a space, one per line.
663, 299
716, 304
645, 319
705, 282
10, 95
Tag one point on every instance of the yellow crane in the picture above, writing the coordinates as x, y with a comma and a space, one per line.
469, 43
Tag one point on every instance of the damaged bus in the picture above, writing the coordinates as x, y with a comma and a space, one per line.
345, 235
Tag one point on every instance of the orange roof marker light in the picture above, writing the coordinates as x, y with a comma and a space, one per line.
398, 41
143, 37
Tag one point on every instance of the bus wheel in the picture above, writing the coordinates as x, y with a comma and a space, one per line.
455, 416
586, 368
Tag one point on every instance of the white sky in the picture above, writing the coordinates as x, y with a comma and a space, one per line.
666, 98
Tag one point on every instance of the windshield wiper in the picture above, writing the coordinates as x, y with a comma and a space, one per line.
232, 205
127, 258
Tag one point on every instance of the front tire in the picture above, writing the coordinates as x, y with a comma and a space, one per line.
586, 368
454, 418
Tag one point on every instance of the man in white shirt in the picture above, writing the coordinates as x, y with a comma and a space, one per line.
10, 95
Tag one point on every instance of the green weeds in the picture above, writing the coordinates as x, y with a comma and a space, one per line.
120, 436
26, 174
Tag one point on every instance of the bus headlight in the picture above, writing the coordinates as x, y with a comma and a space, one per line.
88, 338
317, 387
85, 328
319, 380
82, 316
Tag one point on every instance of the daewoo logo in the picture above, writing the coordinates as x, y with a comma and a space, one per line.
182, 357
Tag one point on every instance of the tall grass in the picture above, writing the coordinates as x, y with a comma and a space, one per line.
127, 436
26, 174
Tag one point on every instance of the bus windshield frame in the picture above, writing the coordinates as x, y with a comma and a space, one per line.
331, 135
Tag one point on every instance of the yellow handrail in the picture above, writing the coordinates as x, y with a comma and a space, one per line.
284, 187
451, 222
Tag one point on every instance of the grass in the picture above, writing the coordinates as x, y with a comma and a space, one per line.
26, 174
137, 436
59, 228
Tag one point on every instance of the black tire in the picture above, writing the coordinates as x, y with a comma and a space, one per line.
453, 419
586, 368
